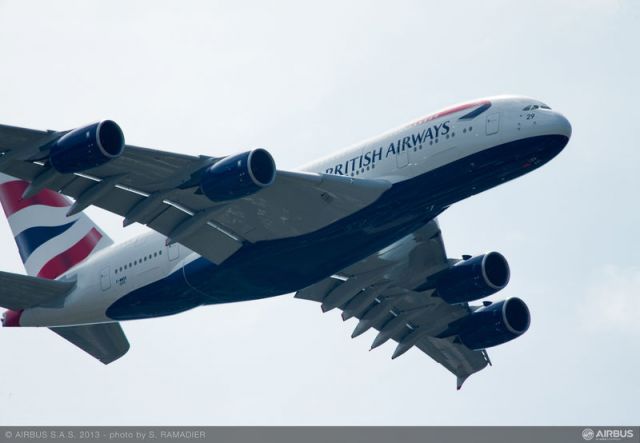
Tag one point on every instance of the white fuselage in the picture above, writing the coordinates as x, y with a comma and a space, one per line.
401, 154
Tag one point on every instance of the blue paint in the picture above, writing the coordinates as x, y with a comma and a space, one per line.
274, 267
476, 112
467, 280
487, 327
167, 296
87, 147
31, 239
238, 176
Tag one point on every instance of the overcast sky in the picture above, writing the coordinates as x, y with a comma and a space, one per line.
303, 79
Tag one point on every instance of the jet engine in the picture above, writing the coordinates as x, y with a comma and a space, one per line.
238, 175
474, 278
492, 325
87, 147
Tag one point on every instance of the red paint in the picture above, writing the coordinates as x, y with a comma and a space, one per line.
61, 263
458, 108
451, 110
11, 318
12, 201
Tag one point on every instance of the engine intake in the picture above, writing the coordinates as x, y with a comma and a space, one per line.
238, 175
492, 325
87, 147
475, 278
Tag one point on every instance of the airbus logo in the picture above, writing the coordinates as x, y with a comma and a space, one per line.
607, 434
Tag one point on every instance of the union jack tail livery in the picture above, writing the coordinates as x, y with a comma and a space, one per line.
50, 242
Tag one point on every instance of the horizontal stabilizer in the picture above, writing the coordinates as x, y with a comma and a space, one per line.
19, 291
104, 341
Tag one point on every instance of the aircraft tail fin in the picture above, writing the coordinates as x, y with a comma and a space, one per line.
50, 242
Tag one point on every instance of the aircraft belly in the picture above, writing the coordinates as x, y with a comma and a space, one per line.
274, 267
269, 268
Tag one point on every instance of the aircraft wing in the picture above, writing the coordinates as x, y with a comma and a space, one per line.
380, 292
104, 341
23, 291
158, 189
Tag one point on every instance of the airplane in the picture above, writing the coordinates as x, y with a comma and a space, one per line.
355, 231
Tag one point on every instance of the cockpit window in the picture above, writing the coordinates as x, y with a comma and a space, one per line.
534, 107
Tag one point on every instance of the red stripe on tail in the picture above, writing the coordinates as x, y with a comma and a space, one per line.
12, 201
61, 263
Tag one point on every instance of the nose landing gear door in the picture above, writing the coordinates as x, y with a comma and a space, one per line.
493, 123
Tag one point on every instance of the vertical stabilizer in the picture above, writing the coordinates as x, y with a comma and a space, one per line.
49, 242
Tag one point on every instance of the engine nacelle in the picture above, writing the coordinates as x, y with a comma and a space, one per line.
474, 278
238, 175
87, 147
492, 325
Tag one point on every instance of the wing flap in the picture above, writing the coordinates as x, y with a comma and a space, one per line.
104, 341
22, 291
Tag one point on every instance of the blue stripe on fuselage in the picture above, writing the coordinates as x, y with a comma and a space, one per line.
274, 267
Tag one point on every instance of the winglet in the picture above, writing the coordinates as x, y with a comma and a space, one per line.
460, 381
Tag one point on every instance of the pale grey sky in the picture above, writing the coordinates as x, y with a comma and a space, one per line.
302, 79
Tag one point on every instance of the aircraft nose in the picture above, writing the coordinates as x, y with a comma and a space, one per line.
561, 125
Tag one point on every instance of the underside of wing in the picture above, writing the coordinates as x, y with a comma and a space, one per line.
104, 341
385, 292
162, 190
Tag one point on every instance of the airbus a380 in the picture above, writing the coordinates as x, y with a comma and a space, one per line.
355, 231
